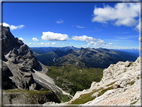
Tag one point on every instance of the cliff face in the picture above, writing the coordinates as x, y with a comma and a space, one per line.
21, 70
18, 63
120, 85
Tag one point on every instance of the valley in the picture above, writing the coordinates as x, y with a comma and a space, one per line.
70, 54
72, 78
65, 76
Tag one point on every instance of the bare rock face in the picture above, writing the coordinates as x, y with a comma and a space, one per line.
120, 85
7, 82
19, 62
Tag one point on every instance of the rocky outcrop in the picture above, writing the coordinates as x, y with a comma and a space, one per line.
18, 63
120, 85
21, 69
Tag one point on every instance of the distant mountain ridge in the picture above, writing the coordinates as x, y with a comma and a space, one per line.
85, 57
42, 50
134, 52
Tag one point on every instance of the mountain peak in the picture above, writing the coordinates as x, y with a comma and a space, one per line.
5, 28
19, 61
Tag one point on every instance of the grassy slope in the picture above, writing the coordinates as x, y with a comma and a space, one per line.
72, 78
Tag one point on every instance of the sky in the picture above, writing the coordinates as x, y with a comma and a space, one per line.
94, 25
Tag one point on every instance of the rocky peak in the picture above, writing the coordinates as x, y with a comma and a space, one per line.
9, 41
18, 61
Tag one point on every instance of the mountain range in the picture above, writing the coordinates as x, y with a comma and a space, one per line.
25, 80
84, 57
42, 50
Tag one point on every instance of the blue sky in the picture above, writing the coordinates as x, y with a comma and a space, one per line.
94, 25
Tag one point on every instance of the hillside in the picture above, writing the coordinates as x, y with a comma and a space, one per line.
72, 78
26, 80
84, 58
120, 86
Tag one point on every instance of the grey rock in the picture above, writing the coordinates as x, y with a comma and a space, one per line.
7, 82
23, 50
127, 64
19, 59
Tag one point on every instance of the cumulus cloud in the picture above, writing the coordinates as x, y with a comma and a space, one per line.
35, 39
89, 40
120, 14
4, 24
61, 21
22, 39
12, 27
79, 26
51, 36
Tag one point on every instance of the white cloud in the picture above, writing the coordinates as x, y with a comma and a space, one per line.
53, 43
89, 40
22, 39
120, 14
127, 21
44, 43
30, 43
79, 26
51, 36
35, 39
61, 21
12, 27
5, 24
110, 43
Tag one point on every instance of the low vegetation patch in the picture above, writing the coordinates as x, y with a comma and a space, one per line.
72, 78
32, 96
27, 91
88, 97
85, 97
